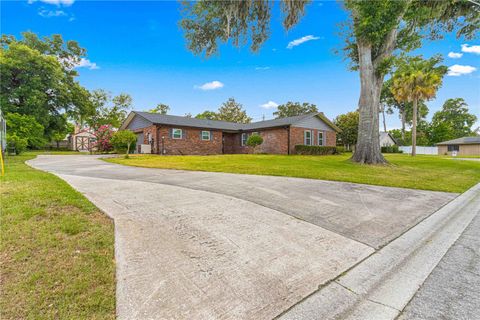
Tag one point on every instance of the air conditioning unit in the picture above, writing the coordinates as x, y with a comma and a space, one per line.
145, 148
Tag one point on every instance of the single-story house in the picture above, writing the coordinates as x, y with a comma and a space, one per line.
462, 146
387, 140
175, 135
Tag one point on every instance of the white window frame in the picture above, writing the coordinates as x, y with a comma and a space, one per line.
320, 138
203, 138
244, 139
309, 137
174, 131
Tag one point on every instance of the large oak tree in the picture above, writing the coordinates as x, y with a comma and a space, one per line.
375, 30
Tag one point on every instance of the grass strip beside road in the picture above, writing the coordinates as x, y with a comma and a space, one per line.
421, 172
57, 249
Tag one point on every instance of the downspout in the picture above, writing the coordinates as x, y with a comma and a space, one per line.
288, 146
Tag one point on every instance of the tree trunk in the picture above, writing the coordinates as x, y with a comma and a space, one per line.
384, 122
368, 150
414, 128
403, 124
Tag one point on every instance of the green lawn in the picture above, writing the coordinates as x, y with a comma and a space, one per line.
57, 249
420, 172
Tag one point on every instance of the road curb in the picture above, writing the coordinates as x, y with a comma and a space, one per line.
382, 285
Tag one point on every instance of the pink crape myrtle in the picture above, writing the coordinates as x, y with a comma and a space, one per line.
103, 134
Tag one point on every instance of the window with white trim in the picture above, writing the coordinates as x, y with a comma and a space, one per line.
205, 135
177, 133
244, 139
320, 138
307, 137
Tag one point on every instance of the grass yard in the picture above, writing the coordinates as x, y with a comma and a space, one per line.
420, 172
57, 249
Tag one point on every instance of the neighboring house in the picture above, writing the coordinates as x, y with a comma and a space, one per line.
462, 146
82, 139
166, 134
387, 140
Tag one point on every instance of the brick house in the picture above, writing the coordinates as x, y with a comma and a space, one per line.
175, 135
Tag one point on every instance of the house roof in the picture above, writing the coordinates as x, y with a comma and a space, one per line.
223, 125
464, 140
387, 134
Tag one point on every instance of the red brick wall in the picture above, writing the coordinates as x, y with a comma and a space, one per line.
275, 141
296, 137
191, 143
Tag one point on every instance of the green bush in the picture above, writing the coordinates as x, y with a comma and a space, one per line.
315, 150
391, 149
340, 149
16, 144
254, 141
26, 128
124, 141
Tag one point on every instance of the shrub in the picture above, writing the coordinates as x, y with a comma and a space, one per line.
26, 127
16, 144
103, 134
315, 150
254, 141
340, 149
391, 149
123, 141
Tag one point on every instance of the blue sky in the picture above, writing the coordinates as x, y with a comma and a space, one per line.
138, 48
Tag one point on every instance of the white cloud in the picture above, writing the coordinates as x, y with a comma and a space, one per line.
471, 49
210, 85
458, 70
85, 63
455, 55
269, 105
52, 13
262, 68
301, 40
65, 3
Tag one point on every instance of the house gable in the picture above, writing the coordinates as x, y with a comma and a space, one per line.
136, 122
313, 122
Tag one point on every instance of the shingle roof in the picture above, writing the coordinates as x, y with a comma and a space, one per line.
224, 125
188, 122
464, 140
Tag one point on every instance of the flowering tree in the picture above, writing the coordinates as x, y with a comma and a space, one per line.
103, 134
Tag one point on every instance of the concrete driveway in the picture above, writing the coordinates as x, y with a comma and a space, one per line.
201, 245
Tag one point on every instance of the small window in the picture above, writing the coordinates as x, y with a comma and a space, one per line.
307, 137
205, 135
244, 139
320, 138
453, 147
177, 133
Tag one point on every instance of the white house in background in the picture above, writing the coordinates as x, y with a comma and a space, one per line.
386, 139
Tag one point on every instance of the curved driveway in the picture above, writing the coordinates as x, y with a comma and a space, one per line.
202, 245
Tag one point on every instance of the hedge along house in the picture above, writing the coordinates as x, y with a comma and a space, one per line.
175, 135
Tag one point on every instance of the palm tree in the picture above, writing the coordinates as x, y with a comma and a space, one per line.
417, 80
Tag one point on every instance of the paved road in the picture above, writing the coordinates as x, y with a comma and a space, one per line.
211, 245
452, 291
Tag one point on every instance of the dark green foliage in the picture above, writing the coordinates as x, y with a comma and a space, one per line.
391, 149
349, 124
16, 144
124, 141
26, 127
315, 150
453, 121
209, 115
38, 79
232, 111
291, 109
160, 108
254, 141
